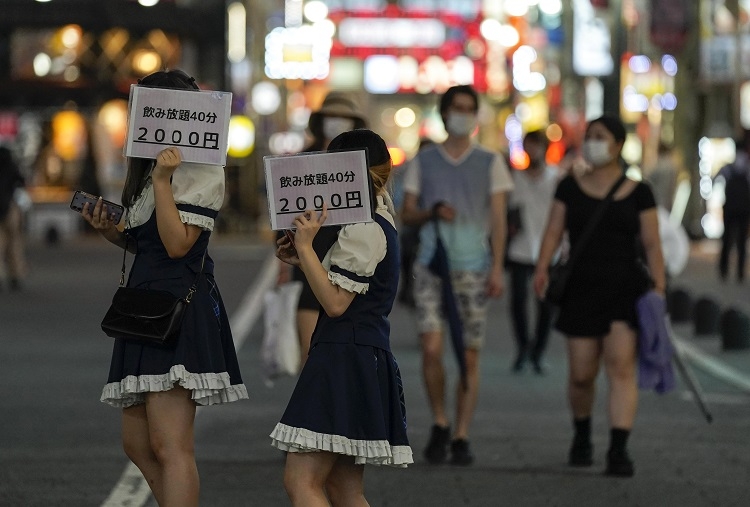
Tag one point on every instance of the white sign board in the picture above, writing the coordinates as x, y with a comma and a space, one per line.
296, 183
196, 122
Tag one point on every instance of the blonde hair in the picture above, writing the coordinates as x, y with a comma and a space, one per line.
380, 175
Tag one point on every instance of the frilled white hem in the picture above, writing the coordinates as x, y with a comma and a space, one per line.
207, 388
365, 452
201, 221
347, 284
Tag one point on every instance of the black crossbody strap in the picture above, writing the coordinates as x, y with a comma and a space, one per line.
593, 222
193, 287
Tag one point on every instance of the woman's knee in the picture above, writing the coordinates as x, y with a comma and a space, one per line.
170, 448
432, 347
299, 485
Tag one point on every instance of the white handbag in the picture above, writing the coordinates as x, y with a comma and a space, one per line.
280, 350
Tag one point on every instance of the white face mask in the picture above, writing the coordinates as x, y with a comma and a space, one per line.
597, 152
461, 124
334, 126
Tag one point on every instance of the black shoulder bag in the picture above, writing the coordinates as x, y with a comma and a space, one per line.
559, 274
147, 316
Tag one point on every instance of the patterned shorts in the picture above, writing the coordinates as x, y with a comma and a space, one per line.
470, 290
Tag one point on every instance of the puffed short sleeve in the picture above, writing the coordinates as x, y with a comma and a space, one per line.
356, 254
198, 191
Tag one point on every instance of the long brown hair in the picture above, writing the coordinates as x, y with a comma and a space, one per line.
139, 168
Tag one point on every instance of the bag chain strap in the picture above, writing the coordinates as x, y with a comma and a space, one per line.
193, 287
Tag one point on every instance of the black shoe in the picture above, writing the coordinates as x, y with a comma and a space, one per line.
518, 364
437, 449
460, 453
581, 454
15, 285
619, 464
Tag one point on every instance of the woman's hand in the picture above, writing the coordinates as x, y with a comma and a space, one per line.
541, 279
167, 162
285, 250
100, 218
308, 224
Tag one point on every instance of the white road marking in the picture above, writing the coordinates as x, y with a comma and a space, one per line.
132, 489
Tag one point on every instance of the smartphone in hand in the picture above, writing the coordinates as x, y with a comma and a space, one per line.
80, 198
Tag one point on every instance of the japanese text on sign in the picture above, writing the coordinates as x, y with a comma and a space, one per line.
306, 181
195, 122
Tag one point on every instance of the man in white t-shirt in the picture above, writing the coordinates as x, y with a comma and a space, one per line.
530, 201
461, 188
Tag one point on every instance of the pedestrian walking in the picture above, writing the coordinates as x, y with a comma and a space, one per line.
347, 409
530, 202
12, 254
736, 210
462, 188
171, 211
598, 312
336, 115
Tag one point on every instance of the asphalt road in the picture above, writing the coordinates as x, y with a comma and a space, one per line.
59, 446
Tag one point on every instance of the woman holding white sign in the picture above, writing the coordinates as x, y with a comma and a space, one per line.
347, 409
171, 208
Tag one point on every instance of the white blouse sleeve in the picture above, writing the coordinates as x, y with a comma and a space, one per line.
198, 191
356, 254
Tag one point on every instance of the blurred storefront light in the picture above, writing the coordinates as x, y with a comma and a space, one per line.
42, 64
236, 32
145, 61
68, 134
315, 10
405, 117
381, 74
551, 7
297, 53
398, 156
113, 116
285, 143
346, 74
266, 98
241, 139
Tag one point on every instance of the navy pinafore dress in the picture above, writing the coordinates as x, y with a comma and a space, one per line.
349, 398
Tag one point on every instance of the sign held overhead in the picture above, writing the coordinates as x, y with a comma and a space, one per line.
296, 183
196, 122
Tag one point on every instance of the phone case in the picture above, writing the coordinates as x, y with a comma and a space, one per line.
80, 198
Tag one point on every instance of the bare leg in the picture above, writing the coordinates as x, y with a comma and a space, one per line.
15, 250
467, 398
620, 364
137, 445
345, 484
583, 366
171, 415
305, 477
306, 320
434, 375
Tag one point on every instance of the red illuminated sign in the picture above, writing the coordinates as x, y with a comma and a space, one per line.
459, 34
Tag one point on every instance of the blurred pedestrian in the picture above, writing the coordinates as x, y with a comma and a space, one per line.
13, 256
663, 177
347, 409
736, 210
336, 115
171, 209
462, 188
408, 236
530, 202
598, 313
